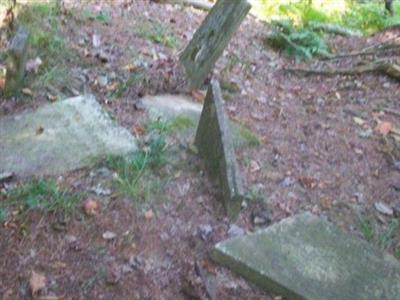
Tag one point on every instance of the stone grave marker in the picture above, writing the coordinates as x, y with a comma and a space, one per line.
307, 258
210, 40
215, 145
59, 137
16, 58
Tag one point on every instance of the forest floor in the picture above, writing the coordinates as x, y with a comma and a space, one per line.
322, 149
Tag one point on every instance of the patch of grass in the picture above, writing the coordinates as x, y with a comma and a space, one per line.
181, 122
383, 239
46, 41
87, 15
40, 194
250, 138
157, 33
125, 85
136, 172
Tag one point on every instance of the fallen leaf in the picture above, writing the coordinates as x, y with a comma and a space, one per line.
37, 282
91, 207
254, 166
198, 95
40, 130
384, 127
326, 202
358, 121
96, 40
383, 208
137, 130
2, 83
51, 97
149, 214
109, 235
33, 65
27, 92
308, 182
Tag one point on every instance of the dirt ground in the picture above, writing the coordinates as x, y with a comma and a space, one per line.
315, 156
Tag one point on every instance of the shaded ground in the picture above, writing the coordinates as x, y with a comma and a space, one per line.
313, 157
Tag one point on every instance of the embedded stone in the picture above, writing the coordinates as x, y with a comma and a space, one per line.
305, 257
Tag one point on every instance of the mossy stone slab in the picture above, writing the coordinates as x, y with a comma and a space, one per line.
306, 257
171, 107
60, 137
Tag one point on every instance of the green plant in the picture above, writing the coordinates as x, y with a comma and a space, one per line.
134, 176
298, 42
41, 194
367, 227
246, 134
157, 33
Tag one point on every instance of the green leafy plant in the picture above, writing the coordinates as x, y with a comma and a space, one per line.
300, 43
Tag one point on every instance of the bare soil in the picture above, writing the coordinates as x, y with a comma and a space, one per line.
313, 157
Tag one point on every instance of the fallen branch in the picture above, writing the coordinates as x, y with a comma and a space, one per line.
382, 50
382, 66
199, 4
392, 111
333, 28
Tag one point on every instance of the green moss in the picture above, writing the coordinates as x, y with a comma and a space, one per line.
156, 32
181, 123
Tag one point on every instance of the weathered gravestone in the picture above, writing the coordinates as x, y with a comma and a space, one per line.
16, 58
306, 258
60, 137
210, 40
214, 143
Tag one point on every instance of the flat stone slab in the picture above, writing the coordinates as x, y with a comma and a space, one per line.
60, 137
170, 107
306, 257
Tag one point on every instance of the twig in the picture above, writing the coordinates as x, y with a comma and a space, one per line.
210, 288
392, 111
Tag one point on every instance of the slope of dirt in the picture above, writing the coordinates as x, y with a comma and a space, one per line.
319, 153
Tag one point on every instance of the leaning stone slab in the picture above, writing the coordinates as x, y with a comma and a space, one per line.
210, 40
306, 258
16, 58
214, 143
60, 137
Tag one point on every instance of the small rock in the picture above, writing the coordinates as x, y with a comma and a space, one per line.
164, 236
109, 235
5, 176
287, 181
235, 230
383, 208
100, 191
102, 80
91, 207
261, 218
396, 165
139, 105
70, 238
205, 230
396, 210
136, 262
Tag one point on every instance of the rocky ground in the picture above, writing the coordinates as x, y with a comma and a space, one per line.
325, 148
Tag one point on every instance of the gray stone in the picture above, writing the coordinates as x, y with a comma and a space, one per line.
235, 230
172, 107
214, 143
60, 137
210, 40
305, 257
16, 59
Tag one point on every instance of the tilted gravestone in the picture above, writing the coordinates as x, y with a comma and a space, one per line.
16, 58
211, 38
305, 257
214, 143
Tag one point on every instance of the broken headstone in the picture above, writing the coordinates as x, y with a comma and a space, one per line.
215, 145
16, 58
59, 137
305, 257
210, 40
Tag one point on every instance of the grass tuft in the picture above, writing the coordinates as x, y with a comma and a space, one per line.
157, 33
41, 194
